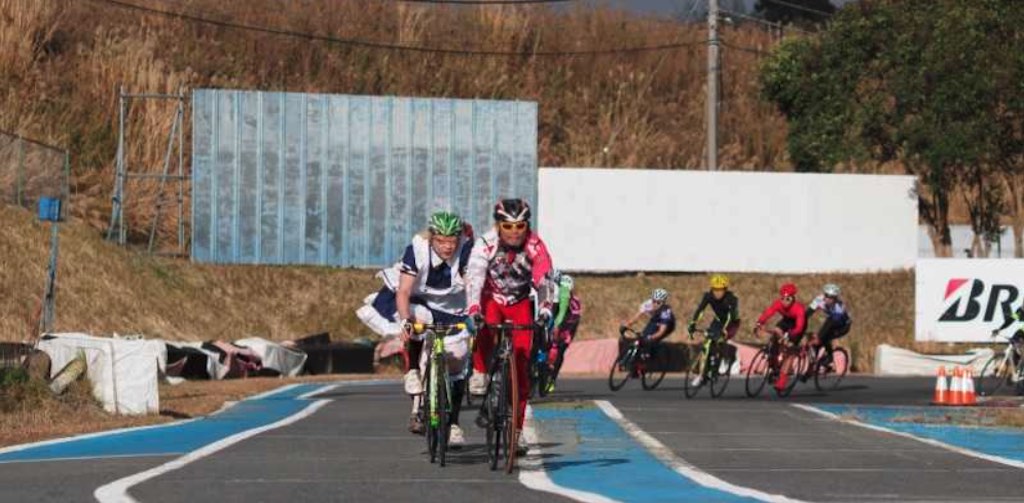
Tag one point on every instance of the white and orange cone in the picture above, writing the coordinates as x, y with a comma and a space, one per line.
956, 388
941, 396
969, 396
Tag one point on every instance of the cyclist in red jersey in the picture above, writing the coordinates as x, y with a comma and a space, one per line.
505, 265
793, 313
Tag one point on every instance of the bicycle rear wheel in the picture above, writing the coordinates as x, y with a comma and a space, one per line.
692, 371
720, 372
825, 379
791, 369
622, 369
512, 425
994, 375
757, 373
654, 371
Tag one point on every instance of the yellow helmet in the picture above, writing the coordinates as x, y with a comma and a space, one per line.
719, 281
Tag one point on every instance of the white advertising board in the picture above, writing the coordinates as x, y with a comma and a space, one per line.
964, 300
613, 220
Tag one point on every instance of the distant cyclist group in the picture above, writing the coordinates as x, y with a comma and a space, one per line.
490, 316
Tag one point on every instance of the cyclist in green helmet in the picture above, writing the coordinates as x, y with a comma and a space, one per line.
427, 286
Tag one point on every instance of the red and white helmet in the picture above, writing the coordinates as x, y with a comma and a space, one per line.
512, 210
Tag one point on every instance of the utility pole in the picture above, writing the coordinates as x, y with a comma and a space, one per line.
712, 95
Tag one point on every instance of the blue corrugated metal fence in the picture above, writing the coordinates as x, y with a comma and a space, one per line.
288, 178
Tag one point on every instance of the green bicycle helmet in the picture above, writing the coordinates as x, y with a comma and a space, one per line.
445, 223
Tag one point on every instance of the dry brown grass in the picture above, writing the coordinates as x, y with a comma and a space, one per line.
882, 304
30, 413
67, 59
104, 289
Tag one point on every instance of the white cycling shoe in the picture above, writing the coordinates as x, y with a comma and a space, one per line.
478, 384
456, 437
413, 386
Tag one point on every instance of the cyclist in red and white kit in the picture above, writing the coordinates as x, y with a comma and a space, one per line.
505, 264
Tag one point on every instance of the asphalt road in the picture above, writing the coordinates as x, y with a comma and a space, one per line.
356, 448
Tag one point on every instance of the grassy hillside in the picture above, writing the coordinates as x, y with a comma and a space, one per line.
61, 62
105, 289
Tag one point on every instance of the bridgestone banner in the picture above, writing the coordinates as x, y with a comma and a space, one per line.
964, 300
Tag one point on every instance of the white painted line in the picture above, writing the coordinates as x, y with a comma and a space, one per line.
117, 491
959, 450
533, 475
666, 456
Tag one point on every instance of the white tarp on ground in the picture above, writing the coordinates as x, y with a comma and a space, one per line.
123, 372
288, 362
890, 360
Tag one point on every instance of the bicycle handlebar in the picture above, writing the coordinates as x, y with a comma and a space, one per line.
508, 326
419, 328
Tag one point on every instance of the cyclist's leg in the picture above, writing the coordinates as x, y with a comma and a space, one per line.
483, 345
521, 313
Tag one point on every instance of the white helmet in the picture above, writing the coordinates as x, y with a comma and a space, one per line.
566, 281
659, 295
831, 290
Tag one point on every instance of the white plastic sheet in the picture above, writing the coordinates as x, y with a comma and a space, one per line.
123, 372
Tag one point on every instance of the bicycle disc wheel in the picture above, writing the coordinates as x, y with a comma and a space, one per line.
825, 379
443, 428
757, 373
692, 371
621, 370
792, 367
512, 426
720, 374
654, 372
994, 375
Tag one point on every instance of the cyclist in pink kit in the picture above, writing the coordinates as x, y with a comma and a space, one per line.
505, 264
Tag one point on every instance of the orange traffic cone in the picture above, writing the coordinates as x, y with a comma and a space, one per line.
956, 389
969, 396
941, 396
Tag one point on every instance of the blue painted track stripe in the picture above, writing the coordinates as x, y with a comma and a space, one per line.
176, 438
607, 461
1002, 442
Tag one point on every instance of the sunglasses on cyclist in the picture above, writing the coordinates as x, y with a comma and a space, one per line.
787, 298
508, 226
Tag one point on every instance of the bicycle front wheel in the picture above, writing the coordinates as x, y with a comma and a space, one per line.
493, 404
444, 429
757, 373
828, 379
512, 426
621, 369
430, 418
994, 375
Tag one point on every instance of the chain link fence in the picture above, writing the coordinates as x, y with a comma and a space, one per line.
29, 170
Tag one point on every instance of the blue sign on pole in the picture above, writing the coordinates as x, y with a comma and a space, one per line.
289, 178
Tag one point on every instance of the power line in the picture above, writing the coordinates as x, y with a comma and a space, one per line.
750, 50
764, 22
398, 47
801, 7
